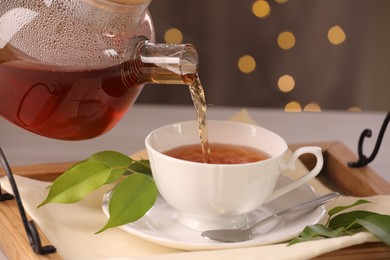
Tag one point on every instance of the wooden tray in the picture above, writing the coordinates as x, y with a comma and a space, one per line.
335, 174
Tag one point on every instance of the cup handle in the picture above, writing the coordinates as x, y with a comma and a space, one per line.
290, 164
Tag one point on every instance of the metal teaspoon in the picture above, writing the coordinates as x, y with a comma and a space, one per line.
238, 235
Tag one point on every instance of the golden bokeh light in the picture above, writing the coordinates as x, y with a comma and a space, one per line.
336, 35
261, 8
286, 83
286, 40
354, 109
281, 1
312, 107
293, 106
246, 64
173, 35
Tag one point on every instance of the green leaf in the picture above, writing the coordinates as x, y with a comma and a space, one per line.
141, 166
77, 182
338, 209
349, 223
347, 220
118, 161
115, 174
111, 158
122, 163
377, 224
130, 200
317, 230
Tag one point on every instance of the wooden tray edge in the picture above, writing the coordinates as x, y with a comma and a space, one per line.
359, 182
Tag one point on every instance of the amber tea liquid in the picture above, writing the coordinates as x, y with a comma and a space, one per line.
219, 153
64, 103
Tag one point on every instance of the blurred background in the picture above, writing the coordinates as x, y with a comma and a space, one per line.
302, 55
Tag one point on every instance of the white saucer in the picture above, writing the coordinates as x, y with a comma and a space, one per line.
160, 224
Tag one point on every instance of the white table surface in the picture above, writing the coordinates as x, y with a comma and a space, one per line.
23, 148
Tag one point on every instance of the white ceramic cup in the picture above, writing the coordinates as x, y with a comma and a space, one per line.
215, 196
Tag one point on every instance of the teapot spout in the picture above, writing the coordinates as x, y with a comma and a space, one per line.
161, 63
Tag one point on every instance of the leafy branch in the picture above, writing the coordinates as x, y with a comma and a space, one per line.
348, 223
134, 194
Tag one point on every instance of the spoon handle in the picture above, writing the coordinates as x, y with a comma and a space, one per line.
305, 205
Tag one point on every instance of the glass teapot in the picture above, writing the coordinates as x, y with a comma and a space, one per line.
70, 69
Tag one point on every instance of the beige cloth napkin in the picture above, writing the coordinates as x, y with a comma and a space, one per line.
71, 228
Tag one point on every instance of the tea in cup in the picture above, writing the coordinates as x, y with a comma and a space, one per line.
245, 164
